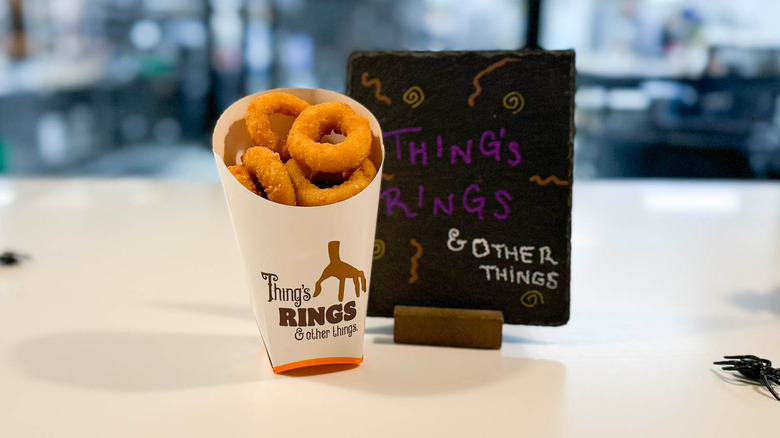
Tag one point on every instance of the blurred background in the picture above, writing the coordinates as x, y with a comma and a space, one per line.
666, 88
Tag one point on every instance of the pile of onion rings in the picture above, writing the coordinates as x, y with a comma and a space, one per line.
259, 125
308, 194
319, 120
303, 169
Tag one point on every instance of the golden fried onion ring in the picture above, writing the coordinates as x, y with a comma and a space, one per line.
318, 120
270, 174
258, 124
239, 171
308, 194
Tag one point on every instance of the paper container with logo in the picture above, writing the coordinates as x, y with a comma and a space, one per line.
291, 253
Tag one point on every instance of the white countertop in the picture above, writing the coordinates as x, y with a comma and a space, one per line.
132, 319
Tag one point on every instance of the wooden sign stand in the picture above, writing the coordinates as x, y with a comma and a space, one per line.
467, 328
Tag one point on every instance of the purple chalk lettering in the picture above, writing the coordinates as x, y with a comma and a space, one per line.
489, 145
446, 209
392, 197
457, 151
397, 135
503, 197
514, 149
421, 150
477, 204
420, 195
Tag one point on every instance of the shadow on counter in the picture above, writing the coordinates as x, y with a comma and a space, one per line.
757, 301
140, 362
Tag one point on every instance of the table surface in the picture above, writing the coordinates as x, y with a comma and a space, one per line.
132, 319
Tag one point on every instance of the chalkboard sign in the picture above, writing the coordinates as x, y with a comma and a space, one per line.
475, 208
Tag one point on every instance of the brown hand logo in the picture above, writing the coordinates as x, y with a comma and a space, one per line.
342, 271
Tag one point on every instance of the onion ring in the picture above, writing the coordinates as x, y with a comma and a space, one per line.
259, 125
243, 177
319, 120
270, 174
309, 195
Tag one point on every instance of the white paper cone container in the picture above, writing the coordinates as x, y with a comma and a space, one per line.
287, 250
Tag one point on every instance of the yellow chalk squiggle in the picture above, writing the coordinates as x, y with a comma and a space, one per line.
379, 249
514, 102
490, 69
413, 271
552, 178
375, 83
414, 96
532, 298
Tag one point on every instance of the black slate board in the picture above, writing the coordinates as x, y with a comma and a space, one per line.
515, 110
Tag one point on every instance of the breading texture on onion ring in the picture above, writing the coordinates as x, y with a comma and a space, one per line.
270, 173
259, 125
309, 195
243, 177
314, 122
